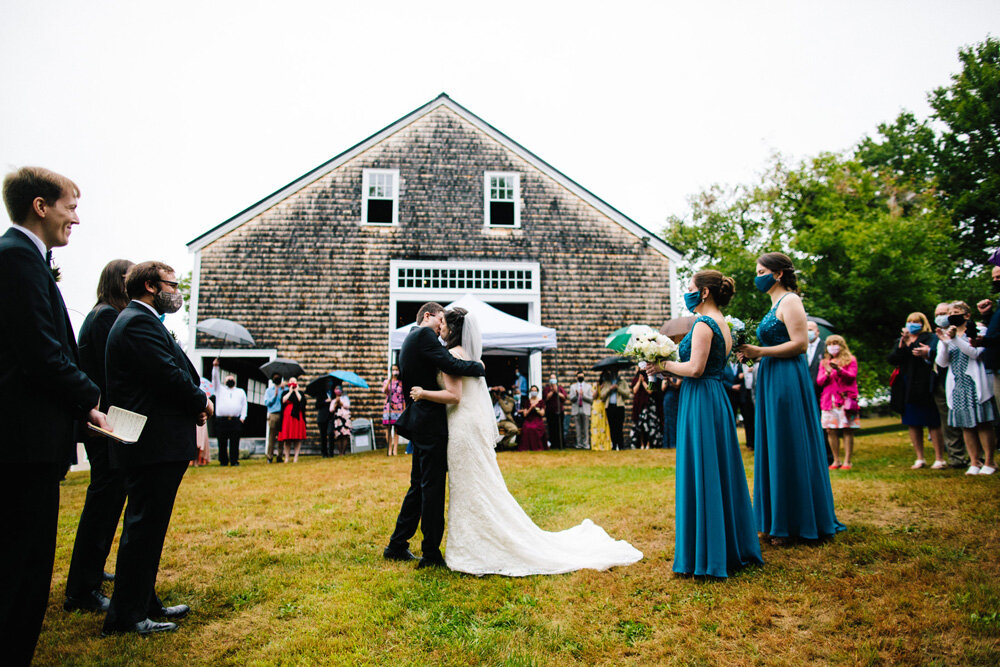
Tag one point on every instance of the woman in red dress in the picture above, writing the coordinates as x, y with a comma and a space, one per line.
533, 430
293, 419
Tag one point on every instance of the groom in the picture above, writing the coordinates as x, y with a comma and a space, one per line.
426, 425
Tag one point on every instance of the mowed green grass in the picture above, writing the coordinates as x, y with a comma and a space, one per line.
282, 564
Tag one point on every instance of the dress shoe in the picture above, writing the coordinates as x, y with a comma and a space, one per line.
107, 576
92, 601
177, 611
144, 627
431, 562
393, 554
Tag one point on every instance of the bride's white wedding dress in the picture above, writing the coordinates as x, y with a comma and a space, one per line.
488, 532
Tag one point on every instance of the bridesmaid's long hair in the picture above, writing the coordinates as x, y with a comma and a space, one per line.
719, 286
111, 285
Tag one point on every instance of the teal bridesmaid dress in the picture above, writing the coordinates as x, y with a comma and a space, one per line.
716, 534
791, 486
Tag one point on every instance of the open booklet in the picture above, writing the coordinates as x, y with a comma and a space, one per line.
127, 425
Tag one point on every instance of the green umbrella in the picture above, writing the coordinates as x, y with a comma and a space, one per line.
617, 340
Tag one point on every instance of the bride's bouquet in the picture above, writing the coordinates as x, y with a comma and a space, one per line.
742, 334
649, 345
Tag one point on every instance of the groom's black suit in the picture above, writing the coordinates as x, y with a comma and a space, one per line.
420, 359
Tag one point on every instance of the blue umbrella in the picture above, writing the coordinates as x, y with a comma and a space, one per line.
350, 378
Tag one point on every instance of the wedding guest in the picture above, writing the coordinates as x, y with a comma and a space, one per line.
324, 396
671, 403
553, 396
520, 386
640, 401
42, 392
648, 422
792, 495
815, 349
505, 422
293, 419
204, 455
969, 391
911, 354
614, 391
395, 403
533, 429
340, 420
738, 379
581, 398
990, 340
715, 533
954, 444
230, 413
600, 432
839, 410
272, 403
102, 508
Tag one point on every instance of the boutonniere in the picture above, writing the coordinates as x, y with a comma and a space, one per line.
56, 272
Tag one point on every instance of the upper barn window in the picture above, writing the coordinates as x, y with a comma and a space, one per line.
502, 195
380, 196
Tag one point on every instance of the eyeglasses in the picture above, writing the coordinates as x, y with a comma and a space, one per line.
169, 282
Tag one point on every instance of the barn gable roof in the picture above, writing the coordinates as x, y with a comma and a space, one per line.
310, 177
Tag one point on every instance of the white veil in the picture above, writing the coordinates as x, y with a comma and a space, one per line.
472, 343
472, 338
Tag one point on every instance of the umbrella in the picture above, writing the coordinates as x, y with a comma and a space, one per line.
825, 328
612, 363
206, 386
618, 339
227, 330
321, 385
350, 378
678, 326
286, 368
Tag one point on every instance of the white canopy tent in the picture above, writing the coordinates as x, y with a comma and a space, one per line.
502, 333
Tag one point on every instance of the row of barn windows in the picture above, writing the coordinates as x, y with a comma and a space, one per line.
501, 198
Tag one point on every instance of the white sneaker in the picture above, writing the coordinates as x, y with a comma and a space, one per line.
939, 465
987, 470
918, 464
973, 470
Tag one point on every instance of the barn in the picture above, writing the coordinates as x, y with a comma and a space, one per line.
434, 206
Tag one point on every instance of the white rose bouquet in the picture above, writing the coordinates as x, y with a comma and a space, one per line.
649, 345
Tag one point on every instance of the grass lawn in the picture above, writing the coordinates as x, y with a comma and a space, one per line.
282, 564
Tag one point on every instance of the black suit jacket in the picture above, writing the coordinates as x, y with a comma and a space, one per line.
93, 342
991, 341
42, 389
148, 373
420, 359
729, 378
814, 365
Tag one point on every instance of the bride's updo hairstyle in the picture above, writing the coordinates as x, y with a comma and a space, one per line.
779, 262
455, 319
719, 286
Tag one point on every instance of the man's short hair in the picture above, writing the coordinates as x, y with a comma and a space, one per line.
22, 187
430, 307
142, 273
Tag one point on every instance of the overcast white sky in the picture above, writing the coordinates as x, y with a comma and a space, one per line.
174, 116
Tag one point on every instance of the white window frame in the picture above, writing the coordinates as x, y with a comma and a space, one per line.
366, 175
517, 198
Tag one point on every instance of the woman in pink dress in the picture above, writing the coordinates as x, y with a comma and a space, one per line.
533, 429
293, 419
392, 387
838, 402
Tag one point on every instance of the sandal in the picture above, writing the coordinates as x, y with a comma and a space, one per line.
834, 466
918, 464
846, 466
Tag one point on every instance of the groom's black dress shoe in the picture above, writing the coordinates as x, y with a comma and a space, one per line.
92, 601
431, 562
177, 611
394, 554
144, 627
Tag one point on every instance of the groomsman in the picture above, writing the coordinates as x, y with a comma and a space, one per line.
42, 392
148, 373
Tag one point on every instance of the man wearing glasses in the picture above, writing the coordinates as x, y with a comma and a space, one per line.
148, 373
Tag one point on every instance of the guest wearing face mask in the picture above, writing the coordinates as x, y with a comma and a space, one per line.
911, 354
392, 387
968, 389
839, 410
340, 420
533, 429
600, 433
293, 419
553, 396
614, 392
990, 341
815, 350
230, 414
646, 420
954, 445
581, 399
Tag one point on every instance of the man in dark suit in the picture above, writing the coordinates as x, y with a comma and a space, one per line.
148, 373
740, 396
815, 349
426, 425
42, 393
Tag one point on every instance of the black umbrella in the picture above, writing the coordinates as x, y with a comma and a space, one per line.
612, 363
321, 385
286, 368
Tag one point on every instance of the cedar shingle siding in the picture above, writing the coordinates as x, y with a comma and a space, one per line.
308, 279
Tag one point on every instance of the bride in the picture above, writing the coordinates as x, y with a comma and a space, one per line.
488, 532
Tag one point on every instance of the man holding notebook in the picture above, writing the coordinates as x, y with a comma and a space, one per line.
148, 373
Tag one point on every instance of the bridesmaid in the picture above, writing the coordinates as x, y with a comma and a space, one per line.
715, 532
791, 489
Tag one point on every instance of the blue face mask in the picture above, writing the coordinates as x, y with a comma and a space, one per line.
692, 300
914, 327
941, 321
765, 282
